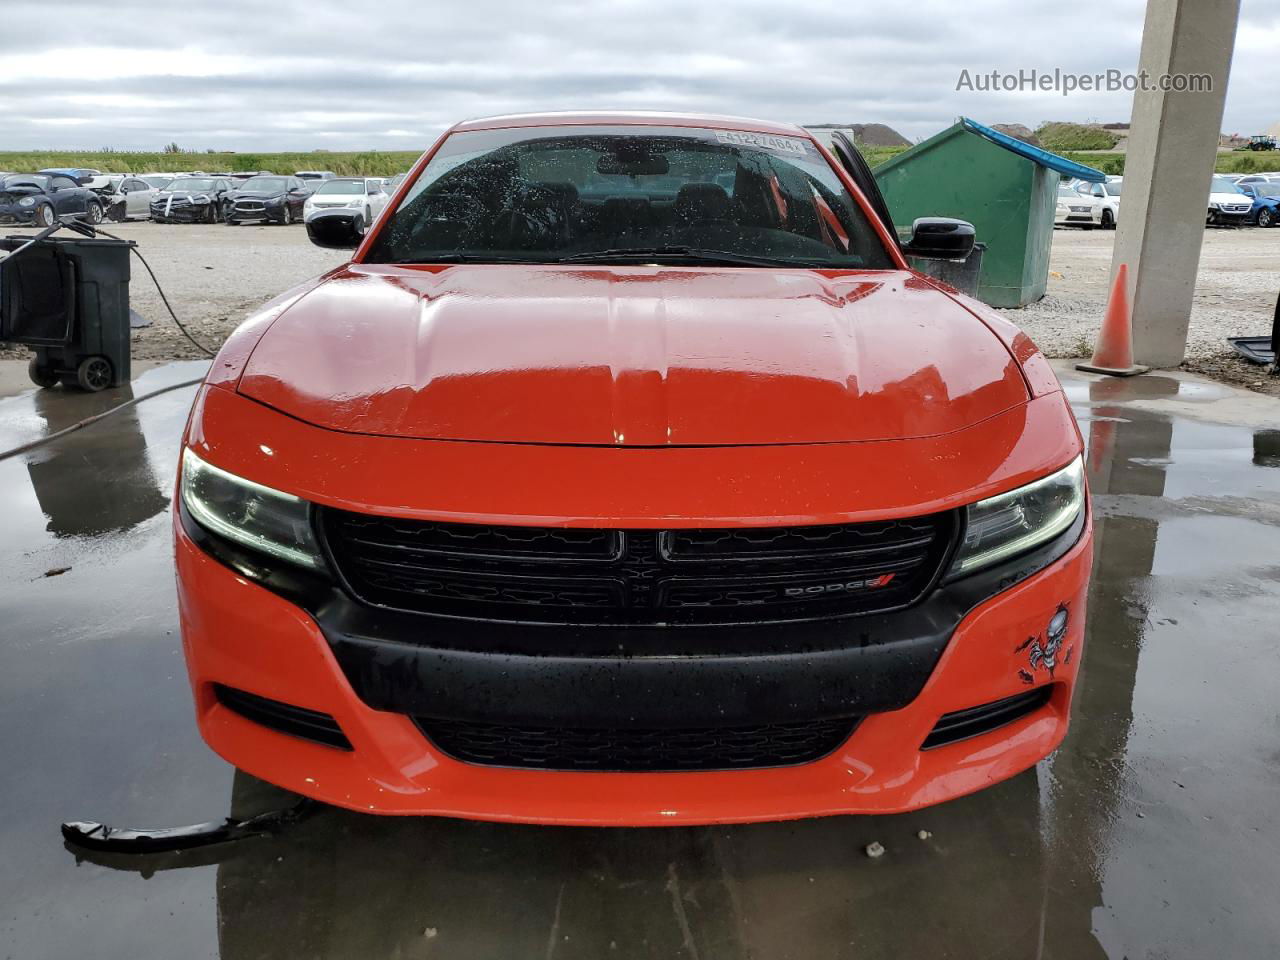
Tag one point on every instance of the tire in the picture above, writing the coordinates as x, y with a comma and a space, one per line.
1108, 220
93, 212
44, 215
1266, 218
231, 223
40, 375
93, 374
287, 219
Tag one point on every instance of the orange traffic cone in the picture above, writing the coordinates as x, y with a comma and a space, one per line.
1114, 353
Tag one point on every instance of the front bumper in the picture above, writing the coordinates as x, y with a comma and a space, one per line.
242, 635
12, 213
1237, 213
243, 211
182, 213
372, 671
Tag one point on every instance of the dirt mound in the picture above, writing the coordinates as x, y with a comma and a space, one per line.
1018, 131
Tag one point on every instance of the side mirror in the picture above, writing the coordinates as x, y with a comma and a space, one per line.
334, 231
940, 238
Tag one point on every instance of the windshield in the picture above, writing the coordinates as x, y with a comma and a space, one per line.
264, 184
158, 183
27, 180
191, 185
1067, 193
341, 186
1223, 185
629, 194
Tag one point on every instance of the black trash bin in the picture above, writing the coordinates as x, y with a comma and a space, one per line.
964, 275
69, 300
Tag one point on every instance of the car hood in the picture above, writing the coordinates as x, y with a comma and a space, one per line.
647, 356
256, 194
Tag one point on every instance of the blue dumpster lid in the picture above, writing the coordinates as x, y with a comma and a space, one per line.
1043, 157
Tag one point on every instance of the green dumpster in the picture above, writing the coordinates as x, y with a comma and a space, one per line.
1006, 188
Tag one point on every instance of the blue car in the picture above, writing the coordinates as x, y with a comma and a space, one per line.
1266, 202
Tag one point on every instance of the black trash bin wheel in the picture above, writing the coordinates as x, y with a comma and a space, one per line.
94, 374
41, 375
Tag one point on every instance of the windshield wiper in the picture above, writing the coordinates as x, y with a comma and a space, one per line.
695, 254
427, 260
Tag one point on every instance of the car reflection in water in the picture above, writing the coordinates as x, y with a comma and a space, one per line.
104, 482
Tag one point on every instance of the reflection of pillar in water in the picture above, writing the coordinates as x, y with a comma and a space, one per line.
1266, 448
1127, 453
97, 480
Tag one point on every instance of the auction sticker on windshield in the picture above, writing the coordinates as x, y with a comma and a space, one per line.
765, 141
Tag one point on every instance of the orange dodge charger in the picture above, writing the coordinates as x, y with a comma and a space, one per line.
628, 474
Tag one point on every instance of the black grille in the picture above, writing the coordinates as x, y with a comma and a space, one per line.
283, 717
581, 575
574, 748
963, 724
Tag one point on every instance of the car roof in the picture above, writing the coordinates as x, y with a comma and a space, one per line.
631, 117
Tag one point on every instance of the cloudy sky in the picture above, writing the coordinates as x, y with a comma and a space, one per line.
246, 74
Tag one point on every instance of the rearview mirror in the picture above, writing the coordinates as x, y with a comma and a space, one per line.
940, 238
335, 231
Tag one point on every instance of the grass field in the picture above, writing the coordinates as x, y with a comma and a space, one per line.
368, 163
384, 164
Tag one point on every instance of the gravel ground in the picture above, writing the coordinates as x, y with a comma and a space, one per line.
215, 275
1235, 296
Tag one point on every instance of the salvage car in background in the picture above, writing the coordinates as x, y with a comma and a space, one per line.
364, 197
1075, 209
1265, 196
273, 199
1228, 204
127, 197
80, 174
40, 198
314, 174
1108, 194
191, 200
590, 492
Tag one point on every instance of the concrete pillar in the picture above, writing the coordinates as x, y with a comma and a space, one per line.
1173, 142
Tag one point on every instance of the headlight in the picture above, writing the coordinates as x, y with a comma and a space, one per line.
258, 517
1003, 526
27, 202
355, 204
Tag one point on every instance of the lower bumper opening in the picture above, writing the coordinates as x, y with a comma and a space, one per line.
638, 750
283, 717
963, 724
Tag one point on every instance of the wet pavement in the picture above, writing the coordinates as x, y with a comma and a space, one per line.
1154, 832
